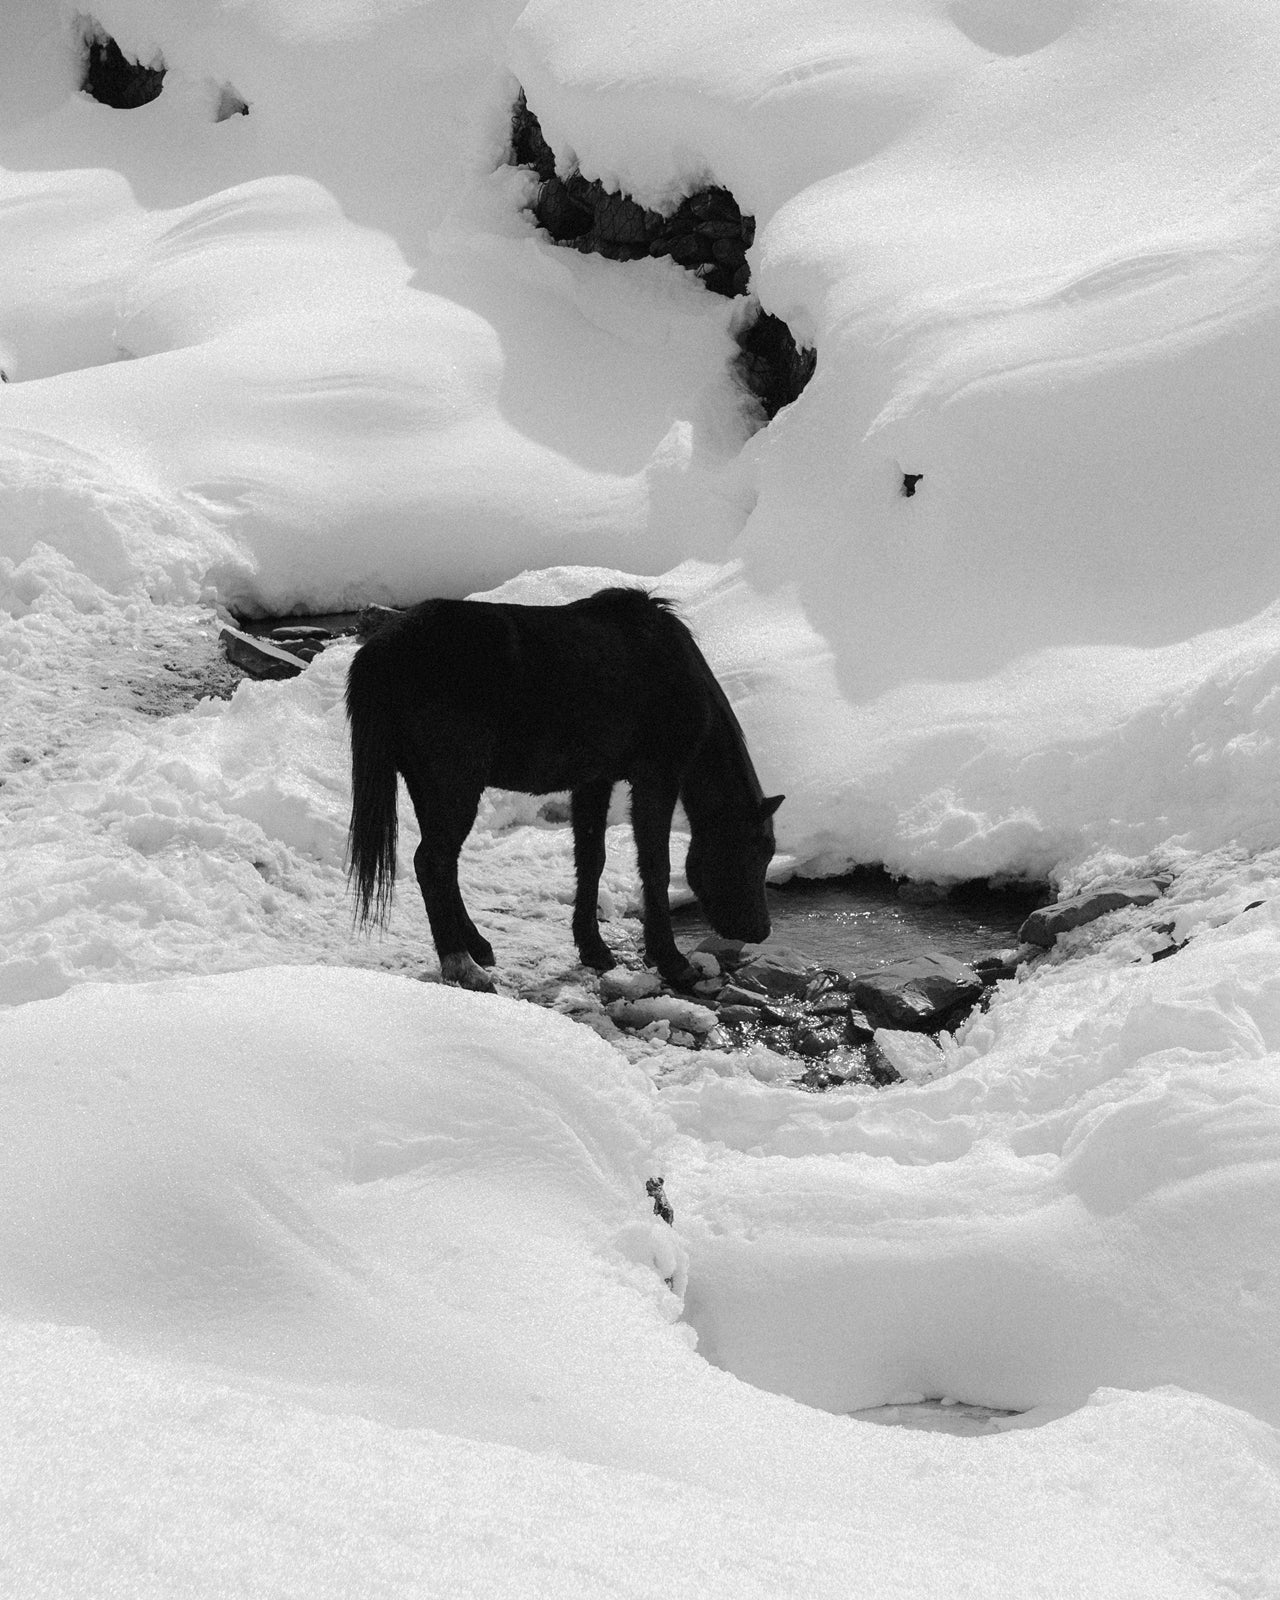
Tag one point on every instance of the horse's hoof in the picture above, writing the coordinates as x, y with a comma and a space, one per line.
459, 969
482, 953
685, 976
599, 958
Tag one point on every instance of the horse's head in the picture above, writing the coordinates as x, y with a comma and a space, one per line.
728, 857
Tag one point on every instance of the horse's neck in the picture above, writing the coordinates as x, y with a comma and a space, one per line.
720, 775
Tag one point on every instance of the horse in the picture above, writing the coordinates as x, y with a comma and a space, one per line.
459, 695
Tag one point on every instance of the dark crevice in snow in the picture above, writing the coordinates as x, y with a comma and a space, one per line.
706, 234
111, 78
909, 481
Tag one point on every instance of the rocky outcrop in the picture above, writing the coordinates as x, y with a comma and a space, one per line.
112, 79
706, 233
921, 995
1042, 927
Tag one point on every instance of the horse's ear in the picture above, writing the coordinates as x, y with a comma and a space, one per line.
769, 805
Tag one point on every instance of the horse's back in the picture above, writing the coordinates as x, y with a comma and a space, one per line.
559, 694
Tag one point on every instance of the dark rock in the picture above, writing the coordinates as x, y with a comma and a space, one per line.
921, 994
560, 214
858, 1027
300, 630
661, 1205
909, 481
807, 1041
777, 973
740, 1014
834, 1004
113, 80
771, 365
730, 953
528, 147
992, 965
258, 657
1043, 927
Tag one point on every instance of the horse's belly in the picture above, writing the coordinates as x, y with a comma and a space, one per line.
548, 771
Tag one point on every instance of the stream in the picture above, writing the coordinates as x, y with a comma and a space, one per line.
861, 922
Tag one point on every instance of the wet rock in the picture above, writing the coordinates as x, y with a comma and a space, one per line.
258, 657
828, 984
833, 1004
730, 953
759, 1004
992, 965
921, 994
301, 631
913, 1057
1043, 927
776, 973
858, 1027
741, 1014
810, 1041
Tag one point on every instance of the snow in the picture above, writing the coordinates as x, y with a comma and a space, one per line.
316, 1279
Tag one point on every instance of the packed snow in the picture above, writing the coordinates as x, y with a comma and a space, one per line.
318, 1279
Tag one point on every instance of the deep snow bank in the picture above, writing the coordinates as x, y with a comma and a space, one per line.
1035, 248
367, 1201
317, 353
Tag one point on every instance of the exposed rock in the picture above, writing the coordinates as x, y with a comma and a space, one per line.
858, 1027
1043, 927
259, 657
730, 953
112, 79
706, 234
776, 973
912, 1056
921, 994
661, 1205
300, 630
771, 366
992, 965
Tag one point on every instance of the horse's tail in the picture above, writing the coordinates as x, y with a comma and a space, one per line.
373, 712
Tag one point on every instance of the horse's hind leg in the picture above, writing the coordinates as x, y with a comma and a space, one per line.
590, 813
445, 821
653, 802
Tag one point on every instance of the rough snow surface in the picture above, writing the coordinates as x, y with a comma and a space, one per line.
375, 1289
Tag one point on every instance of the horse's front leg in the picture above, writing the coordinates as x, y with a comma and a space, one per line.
653, 802
590, 814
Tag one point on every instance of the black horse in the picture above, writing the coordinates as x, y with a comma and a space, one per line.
457, 695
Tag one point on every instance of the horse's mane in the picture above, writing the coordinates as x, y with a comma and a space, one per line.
626, 598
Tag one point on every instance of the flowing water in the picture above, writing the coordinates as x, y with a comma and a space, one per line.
861, 922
